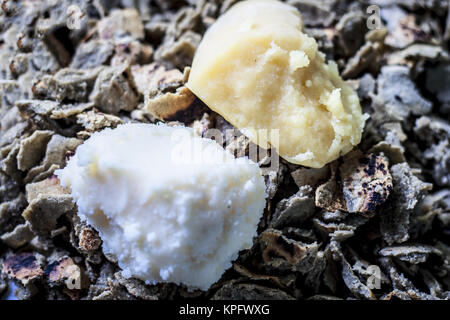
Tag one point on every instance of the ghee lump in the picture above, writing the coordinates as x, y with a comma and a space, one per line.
258, 70
166, 214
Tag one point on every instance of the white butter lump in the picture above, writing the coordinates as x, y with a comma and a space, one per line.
257, 68
166, 216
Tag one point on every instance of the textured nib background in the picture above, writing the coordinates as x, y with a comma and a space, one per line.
382, 210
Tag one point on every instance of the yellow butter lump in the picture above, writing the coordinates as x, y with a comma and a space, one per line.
257, 68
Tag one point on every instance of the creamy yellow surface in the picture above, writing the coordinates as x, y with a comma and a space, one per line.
258, 70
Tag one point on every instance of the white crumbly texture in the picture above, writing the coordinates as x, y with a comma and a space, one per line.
164, 216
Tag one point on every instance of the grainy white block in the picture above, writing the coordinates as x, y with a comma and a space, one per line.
166, 215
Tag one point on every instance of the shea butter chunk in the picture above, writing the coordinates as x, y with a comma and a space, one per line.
259, 70
169, 205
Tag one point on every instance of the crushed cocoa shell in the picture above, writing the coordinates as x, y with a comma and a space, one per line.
129, 52
416, 52
120, 22
179, 53
130, 61
293, 211
45, 114
329, 196
354, 283
310, 176
366, 181
24, 267
94, 120
64, 271
66, 84
279, 253
368, 57
405, 31
407, 191
244, 291
397, 95
89, 239
155, 77
21, 235
413, 253
92, 54
167, 105
115, 90
136, 288
32, 149
54, 158
258, 277
47, 202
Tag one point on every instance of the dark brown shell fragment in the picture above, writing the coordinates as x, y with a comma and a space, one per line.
364, 184
23, 267
366, 181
